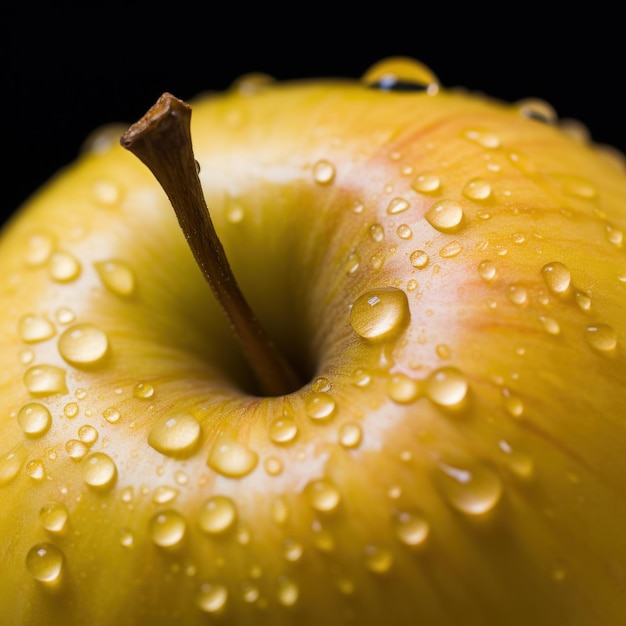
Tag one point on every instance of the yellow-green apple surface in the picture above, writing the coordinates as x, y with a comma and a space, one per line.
445, 277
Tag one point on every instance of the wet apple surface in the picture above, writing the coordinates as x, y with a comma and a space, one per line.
447, 276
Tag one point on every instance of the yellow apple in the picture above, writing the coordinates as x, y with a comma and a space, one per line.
446, 274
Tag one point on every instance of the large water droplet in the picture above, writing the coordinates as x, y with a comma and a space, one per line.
283, 430
212, 598
411, 528
76, 450
350, 435
167, 529
33, 328
380, 313
447, 387
601, 337
63, 267
445, 215
323, 495
557, 277
402, 389
117, 277
99, 471
143, 391
474, 491
217, 515
175, 434
45, 380
54, 517
83, 345
397, 205
45, 562
487, 270
320, 405
34, 419
426, 183
477, 189
231, 458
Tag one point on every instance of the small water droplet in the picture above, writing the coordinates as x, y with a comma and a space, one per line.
583, 301
350, 435
323, 495
54, 517
483, 138
39, 247
378, 560
45, 562
212, 598
280, 510
361, 377
83, 345
34, 419
397, 205
321, 383
411, 529
34, 328
167, 529
447, 387
477, 189
474, 491
63, 267
320, 405
380, 313
518, 462
36, 470
402, 389
76, 450
601, 337
517, 295
283, 430
287, 591
419, 259
557, 277
445, 215
401, 74
450, 250
614, 236
111, 415
175, 434
106, 193
11, 464
292, 550
550, 325
323, 172
127, 539
426, 183
70, 410
273, 465
117, 277
377, 233
513, 405
404, 231
99, 471
143, 391
487, 270
64, 315
536, 109
353, 262
45, 380
231, 458
164, 494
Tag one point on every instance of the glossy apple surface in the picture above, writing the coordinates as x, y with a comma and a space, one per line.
448, 276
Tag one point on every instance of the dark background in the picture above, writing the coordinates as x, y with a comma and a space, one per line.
68, 71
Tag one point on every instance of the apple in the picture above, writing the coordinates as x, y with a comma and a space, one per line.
413, 413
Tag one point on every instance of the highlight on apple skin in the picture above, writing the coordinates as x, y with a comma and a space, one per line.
446, 274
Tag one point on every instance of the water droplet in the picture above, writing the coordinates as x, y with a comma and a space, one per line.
320, 405
557, 277
378, 560
447, 387
143, 391
323, 495
287, 591
614, 236
99, 471
111, 415
404, 231
45, 380
487, 270
167, 529
550, 325
473, 491
283, 430
175, 434
380, 313
419, 259
64, 315
83, 345
164, 494
323, 172
583, 301
127, 539
280, 510
477, 189
401, 74
38, 249
519, 463
397, 205
63, 267
217, 515
76, 450
350, 435
54, 517
34, 328
578, 187
426, 183
70, 410
361, 377
536, 109
402, 389
117, 277
292, 550
45, 562
445, 215
212, 598
273, 466
231, 458
483, 138
450, 250
353, 262
34, 419
106, 193
513, 405
601, 337
377, 232
321, 383
11, 464
517, 295
322, 538
411, 528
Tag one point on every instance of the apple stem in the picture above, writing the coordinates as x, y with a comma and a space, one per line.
161, 139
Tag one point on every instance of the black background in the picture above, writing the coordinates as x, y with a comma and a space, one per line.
68, 71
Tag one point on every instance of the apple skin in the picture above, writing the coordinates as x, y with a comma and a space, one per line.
467, 467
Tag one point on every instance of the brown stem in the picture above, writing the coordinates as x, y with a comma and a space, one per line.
162, 140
